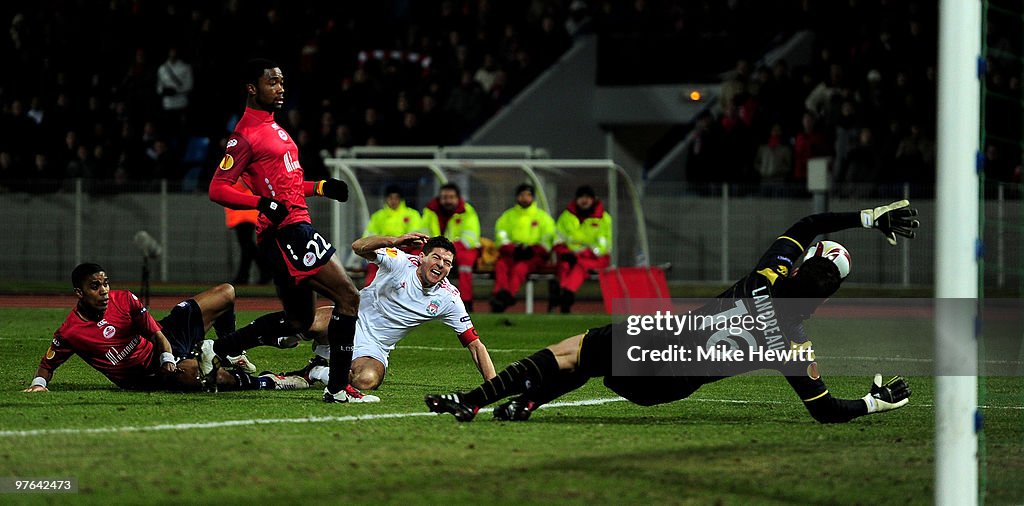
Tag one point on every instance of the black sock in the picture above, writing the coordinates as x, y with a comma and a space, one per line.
248, 382
225, 323
527, 374
341, 334
262, 331
565, 382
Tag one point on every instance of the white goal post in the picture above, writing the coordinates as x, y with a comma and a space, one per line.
956, 246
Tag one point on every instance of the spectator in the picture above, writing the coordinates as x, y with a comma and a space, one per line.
996, 168
465, 105
43, 177
825, 99
773, 162
915, 157
36, 111
82, 165
409, 132
706, 151
735, 84
550, 41
371, 131
173, 84
485, 75
430, 122
847, 130
864, 167
579, 22
343, 137
524, 234
8, 172
809, 143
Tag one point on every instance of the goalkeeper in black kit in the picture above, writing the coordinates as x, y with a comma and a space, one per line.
794, 291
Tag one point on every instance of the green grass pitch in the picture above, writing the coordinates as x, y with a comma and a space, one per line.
745, 440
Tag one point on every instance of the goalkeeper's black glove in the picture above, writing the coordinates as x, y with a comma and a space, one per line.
332, 189
891, 395
893, 219
274, 210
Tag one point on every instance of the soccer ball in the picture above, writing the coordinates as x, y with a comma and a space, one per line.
834, 252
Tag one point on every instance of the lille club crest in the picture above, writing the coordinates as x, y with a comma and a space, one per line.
433, 307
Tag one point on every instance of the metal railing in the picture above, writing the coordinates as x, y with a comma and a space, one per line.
708, 232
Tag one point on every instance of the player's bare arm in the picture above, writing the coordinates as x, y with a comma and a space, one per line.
482, 359
366, 246
37, 385
167, 363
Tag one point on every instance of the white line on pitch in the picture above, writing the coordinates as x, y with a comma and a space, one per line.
354, 418
267, 421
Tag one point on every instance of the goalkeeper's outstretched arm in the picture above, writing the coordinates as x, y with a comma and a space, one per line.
894, 219
825, 408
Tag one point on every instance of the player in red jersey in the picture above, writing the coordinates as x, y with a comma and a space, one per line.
265, 158
112, 331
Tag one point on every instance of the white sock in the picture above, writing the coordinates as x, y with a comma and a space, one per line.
320, 373
322, 350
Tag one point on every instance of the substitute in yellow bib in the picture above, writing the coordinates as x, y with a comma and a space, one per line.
584, 244
394, 219
450, 216
524, 234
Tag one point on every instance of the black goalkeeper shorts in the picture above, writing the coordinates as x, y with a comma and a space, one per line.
595, 359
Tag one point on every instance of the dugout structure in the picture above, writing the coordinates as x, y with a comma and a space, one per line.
489, 184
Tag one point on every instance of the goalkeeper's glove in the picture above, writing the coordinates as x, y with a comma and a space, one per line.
895, 393
893, 219
274, 210
332, 189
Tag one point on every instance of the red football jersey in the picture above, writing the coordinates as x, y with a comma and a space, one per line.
265, 156
114, 346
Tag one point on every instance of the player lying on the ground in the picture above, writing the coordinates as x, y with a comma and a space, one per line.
409, 290
795, 293
112, 331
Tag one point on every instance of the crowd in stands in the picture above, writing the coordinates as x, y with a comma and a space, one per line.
130, 92
867, 101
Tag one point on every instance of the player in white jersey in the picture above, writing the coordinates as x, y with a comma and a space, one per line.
409, 290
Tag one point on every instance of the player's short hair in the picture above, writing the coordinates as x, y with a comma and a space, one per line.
439, 241
453, 187
818, 278
255, 68
82, 272
525, 187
